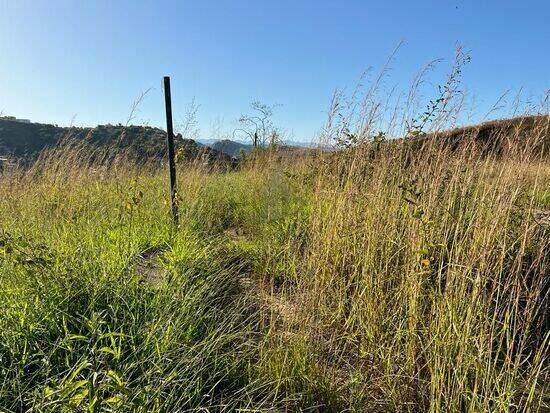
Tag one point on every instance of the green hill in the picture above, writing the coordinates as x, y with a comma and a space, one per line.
27, 140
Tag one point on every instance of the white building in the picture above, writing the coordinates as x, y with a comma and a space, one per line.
14, 119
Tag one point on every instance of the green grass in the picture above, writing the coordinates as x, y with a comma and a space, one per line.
332, 283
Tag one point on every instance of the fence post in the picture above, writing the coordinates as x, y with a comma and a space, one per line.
171, 152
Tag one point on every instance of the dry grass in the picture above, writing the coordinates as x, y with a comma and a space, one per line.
382, 277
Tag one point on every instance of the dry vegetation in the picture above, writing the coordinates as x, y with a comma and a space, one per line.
383, 277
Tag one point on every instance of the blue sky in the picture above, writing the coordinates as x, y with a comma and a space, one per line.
86, 62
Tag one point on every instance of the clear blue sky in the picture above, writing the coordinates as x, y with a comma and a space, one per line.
60, 59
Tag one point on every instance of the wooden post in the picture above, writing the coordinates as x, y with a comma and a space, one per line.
171, 152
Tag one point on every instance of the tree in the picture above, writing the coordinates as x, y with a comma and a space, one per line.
258, 126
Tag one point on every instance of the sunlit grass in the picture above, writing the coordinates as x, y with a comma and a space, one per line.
364, 280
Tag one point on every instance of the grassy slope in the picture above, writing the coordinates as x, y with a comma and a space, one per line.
501, 135
367, 281
142, 143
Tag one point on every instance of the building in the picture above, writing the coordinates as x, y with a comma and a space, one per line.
6, 164
14, 119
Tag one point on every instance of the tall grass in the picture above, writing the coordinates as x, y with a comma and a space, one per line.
429, 281
387, 276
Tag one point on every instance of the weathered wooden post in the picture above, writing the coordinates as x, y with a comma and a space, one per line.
171, 152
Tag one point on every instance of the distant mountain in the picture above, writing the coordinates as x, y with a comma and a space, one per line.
231, 148
207, 142
27, 140
234, 148
192, 150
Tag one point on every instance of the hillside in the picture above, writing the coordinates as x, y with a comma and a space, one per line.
27, 140
231, 148
500, 135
